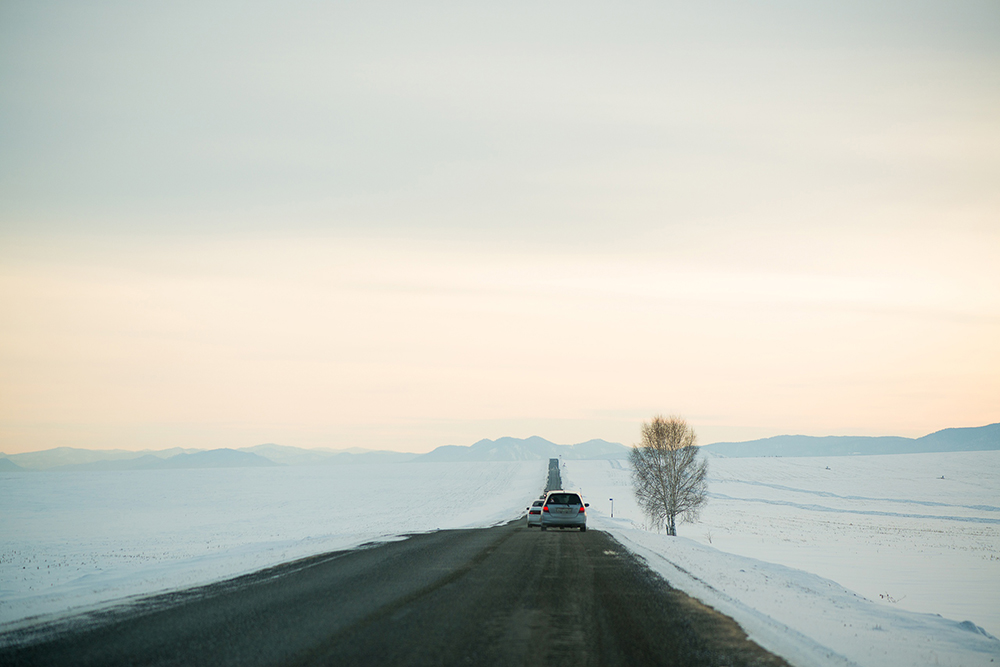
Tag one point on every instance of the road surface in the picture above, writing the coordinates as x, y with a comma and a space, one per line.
506, 595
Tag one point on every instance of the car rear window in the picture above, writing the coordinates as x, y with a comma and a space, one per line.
564, 499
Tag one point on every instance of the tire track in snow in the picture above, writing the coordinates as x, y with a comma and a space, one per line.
833, 510
828, 494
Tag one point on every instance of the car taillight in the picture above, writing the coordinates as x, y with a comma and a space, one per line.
545, 509
581, 508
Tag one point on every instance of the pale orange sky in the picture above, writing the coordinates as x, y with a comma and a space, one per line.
334, 227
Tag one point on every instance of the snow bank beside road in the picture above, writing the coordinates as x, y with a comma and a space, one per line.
83, 538
805, 618
795, 608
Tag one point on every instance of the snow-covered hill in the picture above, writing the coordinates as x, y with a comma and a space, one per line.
980, 438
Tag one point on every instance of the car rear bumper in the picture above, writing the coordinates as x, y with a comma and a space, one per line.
555, 520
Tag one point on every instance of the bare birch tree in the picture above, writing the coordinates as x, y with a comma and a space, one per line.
668, 477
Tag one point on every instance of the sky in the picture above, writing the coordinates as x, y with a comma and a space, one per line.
398, 225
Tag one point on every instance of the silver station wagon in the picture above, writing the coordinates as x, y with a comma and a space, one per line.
535, 513
564, 509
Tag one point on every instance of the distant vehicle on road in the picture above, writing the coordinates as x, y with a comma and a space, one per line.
535, 513
564, 509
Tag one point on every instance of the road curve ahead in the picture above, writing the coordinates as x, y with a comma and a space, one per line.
507, 595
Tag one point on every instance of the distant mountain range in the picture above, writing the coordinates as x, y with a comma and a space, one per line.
503, 449
526, 449
296, 456
6, 465
69, 459
948, 440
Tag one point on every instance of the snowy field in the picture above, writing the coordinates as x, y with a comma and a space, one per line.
834, 561
841, 561
75, 540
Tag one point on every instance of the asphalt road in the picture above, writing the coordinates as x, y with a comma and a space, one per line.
507, 595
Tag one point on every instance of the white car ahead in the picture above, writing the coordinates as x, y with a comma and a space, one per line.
564, 509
